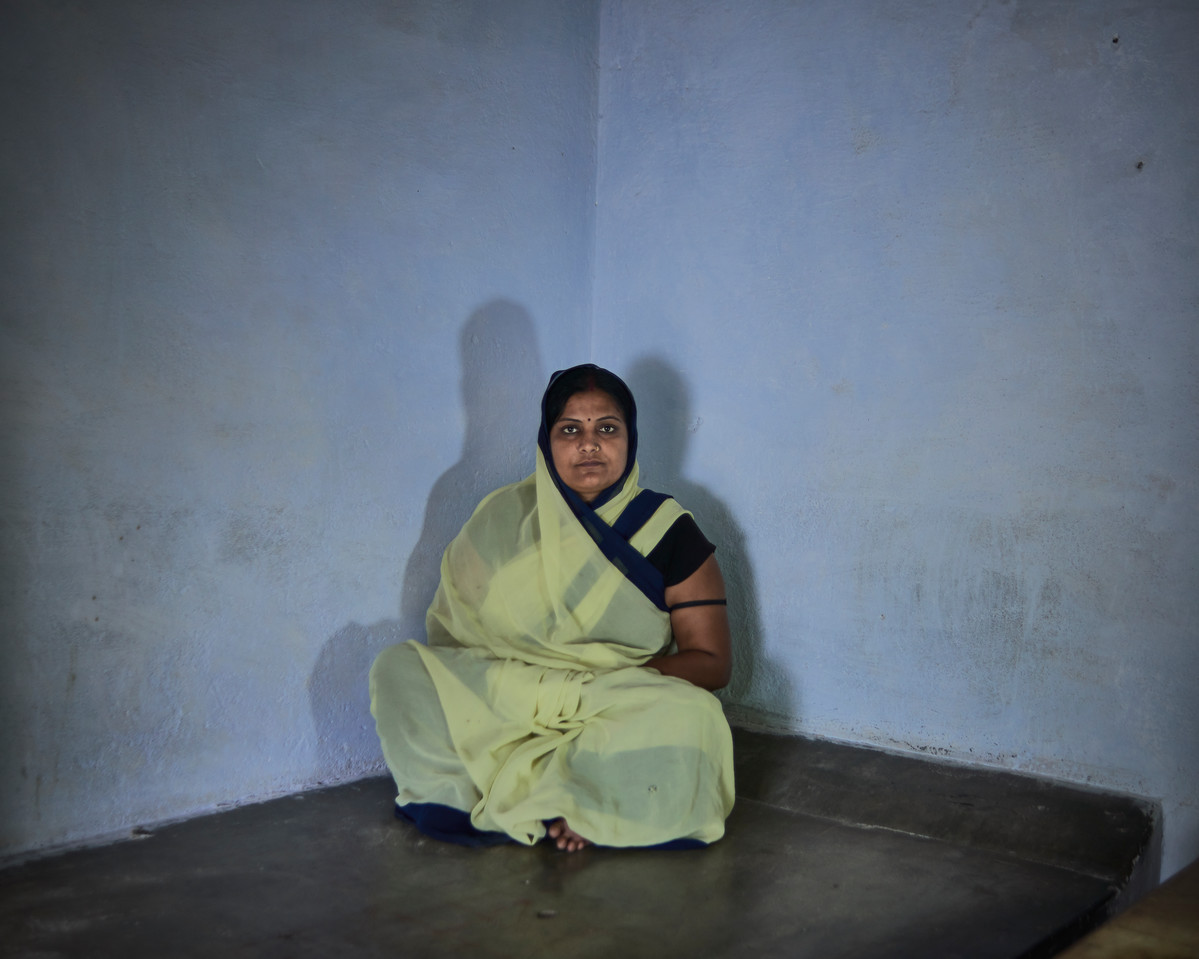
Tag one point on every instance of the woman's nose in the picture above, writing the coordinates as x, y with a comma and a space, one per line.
588, 441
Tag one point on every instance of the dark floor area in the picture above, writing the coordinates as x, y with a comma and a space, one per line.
831, 852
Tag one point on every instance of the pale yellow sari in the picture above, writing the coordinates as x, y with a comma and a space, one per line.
530, 701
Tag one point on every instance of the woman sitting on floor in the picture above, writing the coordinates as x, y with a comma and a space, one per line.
578, 628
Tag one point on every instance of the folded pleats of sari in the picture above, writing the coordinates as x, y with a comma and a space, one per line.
530, 702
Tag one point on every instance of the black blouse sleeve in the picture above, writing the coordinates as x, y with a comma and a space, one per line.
681, 551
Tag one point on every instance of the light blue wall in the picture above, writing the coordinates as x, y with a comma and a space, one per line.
913, 333
918, 284
269, 273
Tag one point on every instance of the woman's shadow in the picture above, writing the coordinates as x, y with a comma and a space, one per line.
501, 387
759, 691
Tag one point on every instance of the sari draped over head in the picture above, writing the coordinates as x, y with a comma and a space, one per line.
530, 702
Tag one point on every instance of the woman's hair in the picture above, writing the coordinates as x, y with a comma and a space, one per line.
583, 379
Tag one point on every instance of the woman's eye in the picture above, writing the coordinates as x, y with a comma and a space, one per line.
570, 430
607, 428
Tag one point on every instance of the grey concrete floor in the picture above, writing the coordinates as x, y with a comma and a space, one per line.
332, 873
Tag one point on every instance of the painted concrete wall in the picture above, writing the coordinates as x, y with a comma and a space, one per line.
907, 293
271, 274
910, 292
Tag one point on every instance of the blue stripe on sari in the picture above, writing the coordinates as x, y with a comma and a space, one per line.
447, 824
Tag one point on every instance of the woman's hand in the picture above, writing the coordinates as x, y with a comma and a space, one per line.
701, 633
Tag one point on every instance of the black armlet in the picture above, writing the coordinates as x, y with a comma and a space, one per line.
699, 602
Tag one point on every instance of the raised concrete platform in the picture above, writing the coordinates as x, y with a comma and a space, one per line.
1097, 833
832, 851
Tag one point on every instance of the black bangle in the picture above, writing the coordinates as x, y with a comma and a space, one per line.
699, 602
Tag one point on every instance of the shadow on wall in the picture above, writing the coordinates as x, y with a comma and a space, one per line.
664, 423
501, 384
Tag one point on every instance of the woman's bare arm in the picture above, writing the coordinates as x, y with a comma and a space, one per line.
701, 633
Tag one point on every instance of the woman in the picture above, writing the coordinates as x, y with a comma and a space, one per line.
551, 699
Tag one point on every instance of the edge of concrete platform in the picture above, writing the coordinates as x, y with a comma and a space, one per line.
1100, 833
1164, 923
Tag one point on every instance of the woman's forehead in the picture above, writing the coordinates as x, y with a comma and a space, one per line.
591, 404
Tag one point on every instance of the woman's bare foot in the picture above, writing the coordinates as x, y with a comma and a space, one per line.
566, 838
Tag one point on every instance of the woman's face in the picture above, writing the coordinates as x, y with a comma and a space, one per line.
590, 443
